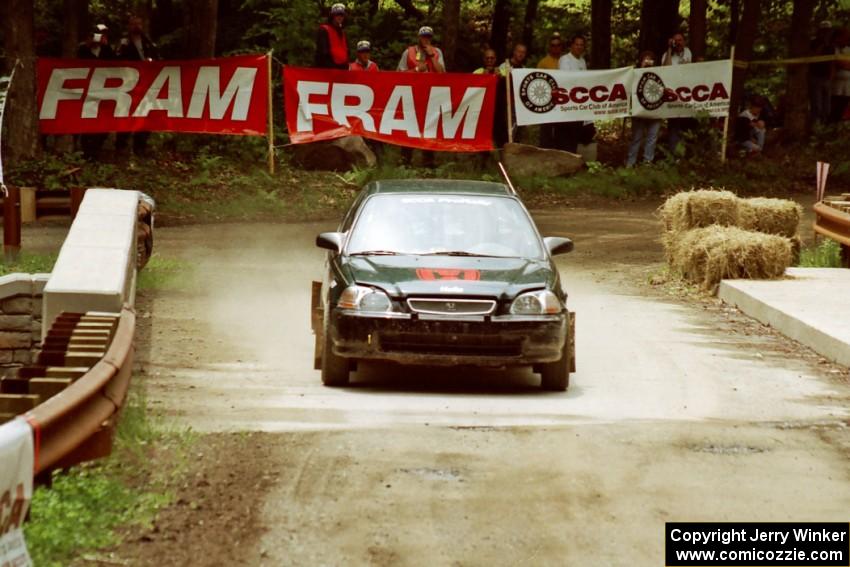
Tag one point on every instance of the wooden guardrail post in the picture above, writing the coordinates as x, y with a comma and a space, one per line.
12, 224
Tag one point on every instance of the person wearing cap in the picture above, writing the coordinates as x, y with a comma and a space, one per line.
135, 46
362, 62
423, 57
331, 43
96, 46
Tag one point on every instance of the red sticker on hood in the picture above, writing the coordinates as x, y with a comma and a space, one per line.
447, 274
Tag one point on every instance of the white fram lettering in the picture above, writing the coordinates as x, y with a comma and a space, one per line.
173, 104
99, 92
57, 91
341, 111
307, 109
208, 88
401, 95
440, 108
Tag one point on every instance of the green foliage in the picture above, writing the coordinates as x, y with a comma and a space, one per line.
164, 273
827, 254
85, 507
28, 263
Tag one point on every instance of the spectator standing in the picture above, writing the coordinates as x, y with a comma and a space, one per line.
489, 62
517, 60
553, 55
424, 57
677, 54
549, 132
363, 61
841, 80
331, 43
644, 129
569, 134
96, 46
135, 46
820, 75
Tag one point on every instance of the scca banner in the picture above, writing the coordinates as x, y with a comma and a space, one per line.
16, 471
543, 96
435, 111
679, 91
214, 96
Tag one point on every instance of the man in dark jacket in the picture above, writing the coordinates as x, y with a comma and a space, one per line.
331, 43
136, 46
96, 46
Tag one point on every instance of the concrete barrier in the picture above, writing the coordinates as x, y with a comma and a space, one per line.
96, 267
811, 306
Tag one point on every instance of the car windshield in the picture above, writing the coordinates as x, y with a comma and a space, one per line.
458, 225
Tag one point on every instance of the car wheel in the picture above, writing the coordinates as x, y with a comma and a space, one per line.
555, 376
335, 369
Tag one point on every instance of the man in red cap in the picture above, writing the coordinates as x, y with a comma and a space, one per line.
331, 44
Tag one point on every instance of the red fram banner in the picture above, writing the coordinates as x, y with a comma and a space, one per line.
434, 111
213, 96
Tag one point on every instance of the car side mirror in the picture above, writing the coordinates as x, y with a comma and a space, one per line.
330, 241
558, 245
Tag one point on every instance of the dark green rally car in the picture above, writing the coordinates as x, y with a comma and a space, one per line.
442, 272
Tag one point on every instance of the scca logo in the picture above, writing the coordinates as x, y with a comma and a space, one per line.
540, 93
652, 93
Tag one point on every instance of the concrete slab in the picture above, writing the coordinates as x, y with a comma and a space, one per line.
811, 306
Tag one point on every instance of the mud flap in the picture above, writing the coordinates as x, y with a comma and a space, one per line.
572, 341
317, 323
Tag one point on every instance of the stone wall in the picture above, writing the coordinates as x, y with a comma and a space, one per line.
20, 318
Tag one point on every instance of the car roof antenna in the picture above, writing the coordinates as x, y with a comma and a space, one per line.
507, 178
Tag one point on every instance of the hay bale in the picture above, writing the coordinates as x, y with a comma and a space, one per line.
770, 216
698, 209
705, 256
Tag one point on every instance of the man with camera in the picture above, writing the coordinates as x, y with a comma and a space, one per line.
423, 57
96, 46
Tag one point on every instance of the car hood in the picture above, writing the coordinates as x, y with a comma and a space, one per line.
402, 276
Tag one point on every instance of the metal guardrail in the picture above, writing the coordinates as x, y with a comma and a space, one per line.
832, 220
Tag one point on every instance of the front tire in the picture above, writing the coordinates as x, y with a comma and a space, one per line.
335, 369
555, 376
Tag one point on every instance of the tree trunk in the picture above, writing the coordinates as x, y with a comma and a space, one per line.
410, 11
528, 24
201, 19
21, 139
75, 16
697, 27
734, 19
797, 100
659, 21
746, 33
451, 19
600, 34
499, 31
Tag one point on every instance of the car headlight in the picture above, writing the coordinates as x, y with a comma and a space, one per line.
541, 302
364, 299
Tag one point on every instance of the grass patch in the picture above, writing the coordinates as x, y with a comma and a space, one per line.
86, 508
164, 273
827, 254
27, 263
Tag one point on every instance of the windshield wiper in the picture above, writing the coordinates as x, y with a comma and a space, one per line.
459, 253
375, 253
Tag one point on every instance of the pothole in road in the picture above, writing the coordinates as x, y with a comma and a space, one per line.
727, 449
434, 474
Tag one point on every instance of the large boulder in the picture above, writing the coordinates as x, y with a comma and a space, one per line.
523, 160
341, 154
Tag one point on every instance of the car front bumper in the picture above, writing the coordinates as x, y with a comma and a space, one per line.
504, 340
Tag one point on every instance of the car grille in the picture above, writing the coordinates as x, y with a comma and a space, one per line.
463, 345
452, 306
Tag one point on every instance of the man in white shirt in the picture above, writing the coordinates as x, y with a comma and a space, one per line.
574, 59
677, 52
567, 134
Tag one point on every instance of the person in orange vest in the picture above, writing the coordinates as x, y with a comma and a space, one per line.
331, 44
423, 57
362, 62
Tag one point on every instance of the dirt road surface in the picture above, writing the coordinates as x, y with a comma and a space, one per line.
678, 412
